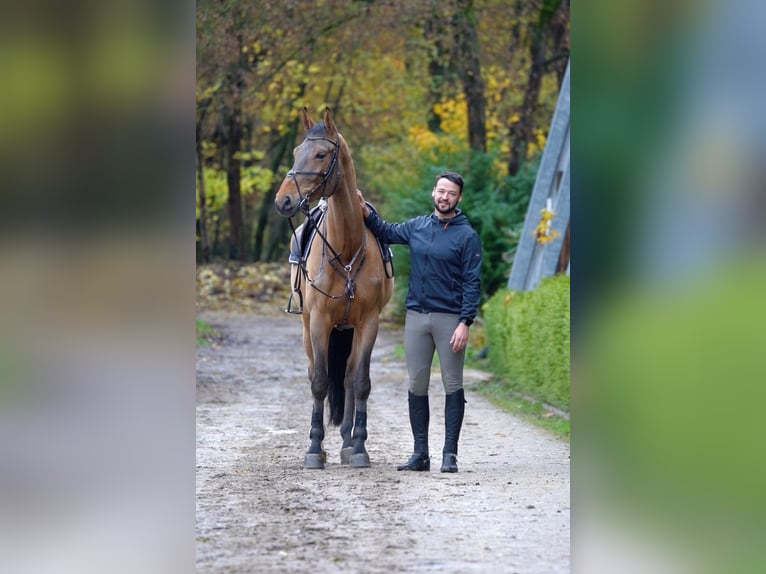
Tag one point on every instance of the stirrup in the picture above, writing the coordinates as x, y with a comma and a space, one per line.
297, 310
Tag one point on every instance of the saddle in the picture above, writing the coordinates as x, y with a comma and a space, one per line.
299, 247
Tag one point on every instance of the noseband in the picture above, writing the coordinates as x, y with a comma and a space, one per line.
306, 199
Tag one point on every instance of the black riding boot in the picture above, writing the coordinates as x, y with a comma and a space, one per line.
454, 408
419, 416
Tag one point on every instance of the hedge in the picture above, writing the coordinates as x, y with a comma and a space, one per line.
528, 336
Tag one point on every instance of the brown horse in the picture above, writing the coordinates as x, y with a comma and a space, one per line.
346, 288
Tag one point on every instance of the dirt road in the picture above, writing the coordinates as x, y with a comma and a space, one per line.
258, 510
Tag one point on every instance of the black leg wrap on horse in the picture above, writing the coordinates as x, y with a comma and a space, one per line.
360, 429
454, 409
316, 434
419, 418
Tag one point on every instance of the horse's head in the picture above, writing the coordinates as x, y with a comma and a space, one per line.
315, 172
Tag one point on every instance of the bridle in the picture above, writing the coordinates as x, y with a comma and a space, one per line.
305, 200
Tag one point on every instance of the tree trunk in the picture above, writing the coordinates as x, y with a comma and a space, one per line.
216, 236
521, 131
560, 37
267, 205
433, 31
232, 132
204, 241
469, 70
281, 150
237, 248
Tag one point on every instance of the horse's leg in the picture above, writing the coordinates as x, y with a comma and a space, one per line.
316, 351
348, 418
364, 340
316, 456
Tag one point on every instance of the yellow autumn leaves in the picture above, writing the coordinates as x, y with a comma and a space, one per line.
543, 232
453, 115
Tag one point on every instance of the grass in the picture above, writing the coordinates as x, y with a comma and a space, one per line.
501, 395
206, 334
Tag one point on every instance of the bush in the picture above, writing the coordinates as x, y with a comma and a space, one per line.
528, 334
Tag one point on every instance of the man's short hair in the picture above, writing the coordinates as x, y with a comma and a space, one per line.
452, 176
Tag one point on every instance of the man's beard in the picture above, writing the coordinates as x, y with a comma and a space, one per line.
444, 211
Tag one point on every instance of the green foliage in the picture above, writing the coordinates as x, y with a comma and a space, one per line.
216, 191
672, 401
253, 180
205, 333
498, 393
496, 207
528, 335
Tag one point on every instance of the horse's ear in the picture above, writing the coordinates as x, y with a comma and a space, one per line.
329, 124
308, 123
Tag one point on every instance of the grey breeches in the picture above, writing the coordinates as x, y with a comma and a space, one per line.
425, 333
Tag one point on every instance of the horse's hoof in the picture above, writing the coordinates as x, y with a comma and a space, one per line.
313, 460
345, 455
360, 460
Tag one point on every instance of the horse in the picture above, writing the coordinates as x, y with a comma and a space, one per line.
346, 289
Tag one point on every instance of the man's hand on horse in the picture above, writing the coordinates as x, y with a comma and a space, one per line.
365, 209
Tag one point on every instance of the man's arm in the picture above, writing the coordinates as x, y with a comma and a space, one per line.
471, 280
386, 232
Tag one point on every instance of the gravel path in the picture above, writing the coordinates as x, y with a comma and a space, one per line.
258, 510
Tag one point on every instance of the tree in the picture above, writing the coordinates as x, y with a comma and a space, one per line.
233, 145
552, 20
469, 70
202, 108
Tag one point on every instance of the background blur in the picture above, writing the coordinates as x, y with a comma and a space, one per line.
96, 287
97, 160
668, 282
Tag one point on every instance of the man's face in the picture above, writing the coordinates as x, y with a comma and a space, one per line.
446, 195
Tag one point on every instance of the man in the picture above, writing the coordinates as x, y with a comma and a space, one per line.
443, 296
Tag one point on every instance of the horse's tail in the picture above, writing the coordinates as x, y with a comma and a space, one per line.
338, 352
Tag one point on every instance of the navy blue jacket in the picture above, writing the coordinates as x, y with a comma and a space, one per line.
445, 262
